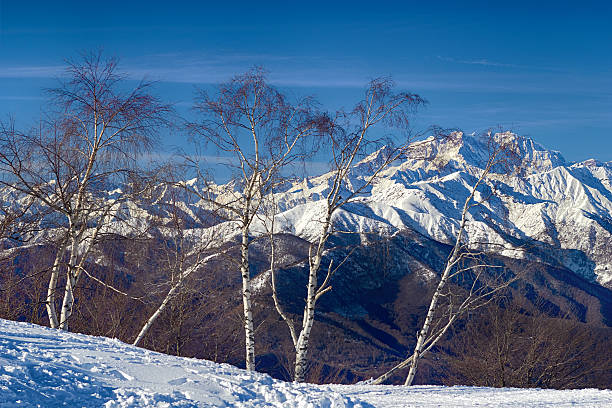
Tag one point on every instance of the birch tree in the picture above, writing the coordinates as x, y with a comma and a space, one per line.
466, 258
183, 253
349, 140
261, 132
90, 138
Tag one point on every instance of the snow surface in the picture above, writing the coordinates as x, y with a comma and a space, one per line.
42, 367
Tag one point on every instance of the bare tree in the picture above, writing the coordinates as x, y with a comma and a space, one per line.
90, 139
465, 262
524, 349
183, 253
18, 224
349, 140
263, 133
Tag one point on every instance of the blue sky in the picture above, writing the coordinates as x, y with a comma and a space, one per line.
543, 70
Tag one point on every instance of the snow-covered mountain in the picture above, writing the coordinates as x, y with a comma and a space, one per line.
558, 212
553, 211
41, 367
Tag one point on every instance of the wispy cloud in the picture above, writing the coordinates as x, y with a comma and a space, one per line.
43, 71
315, 71
285, 70
480, 61
299, 71
485, 62
20, 98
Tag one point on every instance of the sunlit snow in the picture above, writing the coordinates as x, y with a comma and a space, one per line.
41, 367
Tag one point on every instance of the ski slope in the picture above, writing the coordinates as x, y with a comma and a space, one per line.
41, 367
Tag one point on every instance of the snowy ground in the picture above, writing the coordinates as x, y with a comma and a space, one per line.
48, 368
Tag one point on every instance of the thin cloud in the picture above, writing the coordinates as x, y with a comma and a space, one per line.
285, 70
20, 98
44, 71
302, 72
481, 61
488, 63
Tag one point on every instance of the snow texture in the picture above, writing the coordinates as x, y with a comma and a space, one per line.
42, 367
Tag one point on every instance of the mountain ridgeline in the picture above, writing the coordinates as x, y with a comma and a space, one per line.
561, 212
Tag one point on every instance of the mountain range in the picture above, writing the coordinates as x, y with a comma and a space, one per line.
550, 210
545, 219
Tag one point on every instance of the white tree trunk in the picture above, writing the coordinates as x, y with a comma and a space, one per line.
246, 300
72, 277
50, 301
418, 349
277, 304
68, 301
168, 298
301, 347
75, 269
156, 314
71, 281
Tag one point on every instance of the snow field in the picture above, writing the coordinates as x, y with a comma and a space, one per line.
41, 367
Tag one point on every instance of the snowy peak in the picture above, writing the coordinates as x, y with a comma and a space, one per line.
460, 151
535, 155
